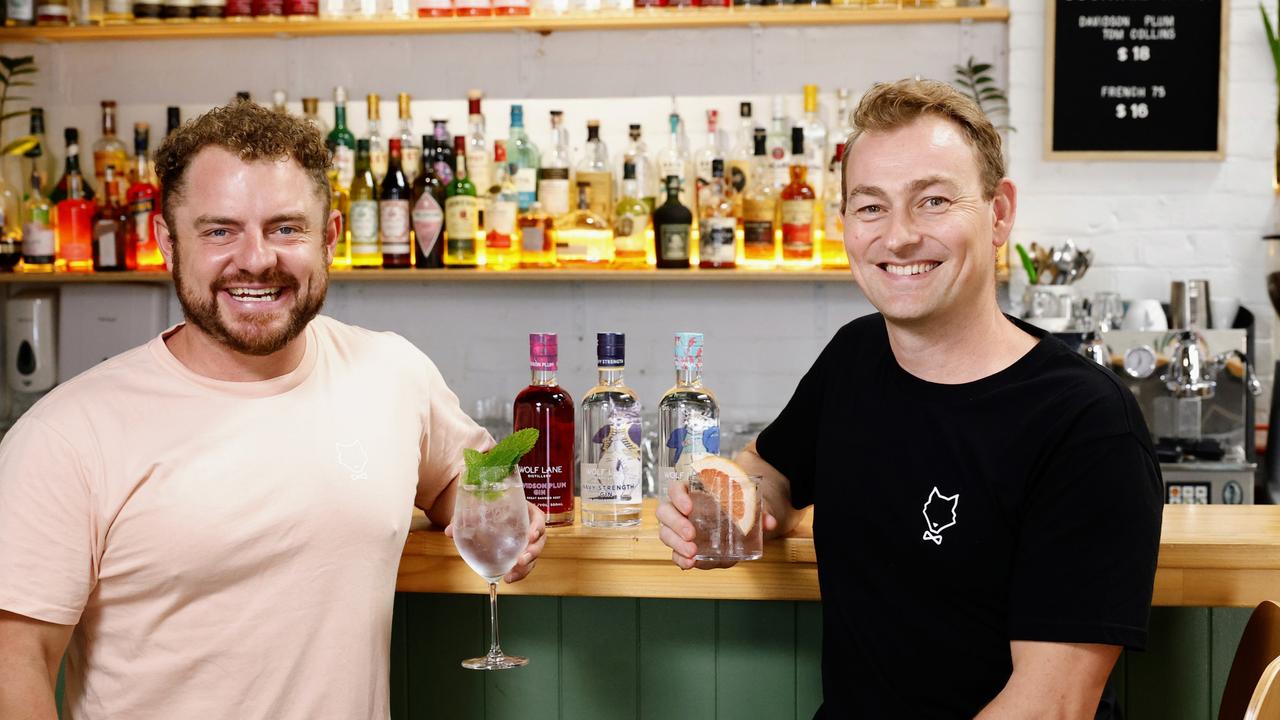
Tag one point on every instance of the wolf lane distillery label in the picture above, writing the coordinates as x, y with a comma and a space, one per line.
615, 476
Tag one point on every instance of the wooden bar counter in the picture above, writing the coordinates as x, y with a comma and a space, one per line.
1210, 556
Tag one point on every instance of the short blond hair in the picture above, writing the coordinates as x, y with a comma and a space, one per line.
889, 106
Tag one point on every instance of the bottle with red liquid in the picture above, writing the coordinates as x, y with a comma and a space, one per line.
143, 202
548, 469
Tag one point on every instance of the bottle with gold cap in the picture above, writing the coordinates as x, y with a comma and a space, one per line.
410, 150
815, 139
377, 143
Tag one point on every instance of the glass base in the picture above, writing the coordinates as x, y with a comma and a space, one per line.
756, 555
497, 661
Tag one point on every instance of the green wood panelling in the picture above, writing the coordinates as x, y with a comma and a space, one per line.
1170, 680
755, 660
808, 659
677, 659
530, 627
399, 659
441, 631
1226, 626
599, 671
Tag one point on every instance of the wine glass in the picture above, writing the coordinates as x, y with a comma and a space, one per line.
490, 530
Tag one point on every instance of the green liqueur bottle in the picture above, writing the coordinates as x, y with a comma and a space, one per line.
342, 144
461, 214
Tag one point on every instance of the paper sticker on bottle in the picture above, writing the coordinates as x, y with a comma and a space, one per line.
526, 181
738, 174
106, 242
393, 218
363, 216
718, 236
675, 241
37, 241
344, 162
797, 225
833, 222
428, 219
410, 161
672, 166
377, 161
478, 166
758, 235
553, 191
533, 239
615, 476
461, 219
629, 235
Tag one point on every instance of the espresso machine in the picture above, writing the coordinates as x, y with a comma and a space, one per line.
1196, 387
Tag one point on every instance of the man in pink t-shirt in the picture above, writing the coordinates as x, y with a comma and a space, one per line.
210, 525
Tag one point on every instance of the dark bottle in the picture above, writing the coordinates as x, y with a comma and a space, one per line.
671, 225
548, 469
442, 159
71, 167
111, 227
393, 212
174, 116
428, 212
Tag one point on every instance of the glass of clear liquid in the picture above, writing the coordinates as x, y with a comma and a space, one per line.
490, 530
727, 516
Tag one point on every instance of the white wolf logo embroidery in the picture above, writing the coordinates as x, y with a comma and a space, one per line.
939, 517
353, 457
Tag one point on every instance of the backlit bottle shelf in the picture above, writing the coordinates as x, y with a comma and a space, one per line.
637, 20
557, 275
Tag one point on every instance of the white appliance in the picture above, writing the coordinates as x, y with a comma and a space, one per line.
30, 336
96, 322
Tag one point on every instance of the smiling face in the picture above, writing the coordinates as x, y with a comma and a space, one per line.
920, 235
249, 249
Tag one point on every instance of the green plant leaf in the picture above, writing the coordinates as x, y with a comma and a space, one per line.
992, 94
981, 67
21, 146
985, 80
1271, 39
14, 114
24, 71
10, 63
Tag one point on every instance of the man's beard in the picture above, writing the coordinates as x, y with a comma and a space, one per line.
202, 311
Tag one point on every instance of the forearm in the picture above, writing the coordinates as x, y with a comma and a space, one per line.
775, 490
440, 512
26, 690
1053, 681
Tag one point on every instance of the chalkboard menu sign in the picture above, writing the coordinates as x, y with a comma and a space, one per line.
1135, 79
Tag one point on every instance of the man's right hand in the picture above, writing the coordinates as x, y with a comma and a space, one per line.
675, 530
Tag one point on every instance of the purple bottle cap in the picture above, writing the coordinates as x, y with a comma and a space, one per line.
543, 351
611, 349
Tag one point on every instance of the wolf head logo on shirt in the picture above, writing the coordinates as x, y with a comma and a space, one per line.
939, 514
353, 457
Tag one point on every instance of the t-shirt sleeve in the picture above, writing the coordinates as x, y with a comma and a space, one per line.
1085, 562
789, 443
47, 526
447, 430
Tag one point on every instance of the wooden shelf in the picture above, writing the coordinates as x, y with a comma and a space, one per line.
639, 20
558, 275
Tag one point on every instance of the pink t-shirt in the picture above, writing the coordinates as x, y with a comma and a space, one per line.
227, 550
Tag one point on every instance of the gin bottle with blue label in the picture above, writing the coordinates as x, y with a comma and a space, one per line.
688, 416
611, 437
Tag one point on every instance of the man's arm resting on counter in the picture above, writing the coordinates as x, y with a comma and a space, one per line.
775, 490
1053, 681
30, 653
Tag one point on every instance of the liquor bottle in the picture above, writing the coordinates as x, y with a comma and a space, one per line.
759, 212
20, 13
688, 417
180, 11
583, 237
410, 151
365, 252
207, 11
238, 10
711, 150
74, 227
428, 215
53, 12
244, 96
779, 133
118, 12
342, 144
718, 223
280, 102
796, 212
631, 223
442, 159
510, 7
173, 119
435, 8
461, 214
523, 155
672, 224
553, 176
38, 249
547, 469
844, 116
377, 143
611, 437
833, 254
111, 228
501, 247
340, 200
537, 238
41, 155
393, 213
334, 9
673, 161
478, 162
311, 114
593, 169
109, 150
148, 11
815, 140
10, 228
142, 196
472, 8
737, 167
637, 153
71, 167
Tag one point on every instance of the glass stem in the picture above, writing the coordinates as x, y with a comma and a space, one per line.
494, 650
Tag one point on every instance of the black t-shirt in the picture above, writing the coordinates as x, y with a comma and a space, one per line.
952, 519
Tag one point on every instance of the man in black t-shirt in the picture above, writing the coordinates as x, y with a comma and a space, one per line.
987, 503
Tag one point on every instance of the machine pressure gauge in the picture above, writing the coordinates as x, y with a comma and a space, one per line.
1140, 362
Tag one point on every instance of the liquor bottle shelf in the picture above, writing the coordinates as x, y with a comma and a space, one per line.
638, 20
557, 275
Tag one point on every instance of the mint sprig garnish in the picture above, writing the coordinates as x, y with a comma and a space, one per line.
491, 467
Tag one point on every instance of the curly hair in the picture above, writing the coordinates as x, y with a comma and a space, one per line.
889, 106
249, 131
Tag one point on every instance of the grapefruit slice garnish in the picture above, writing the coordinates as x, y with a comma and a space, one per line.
727, 482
